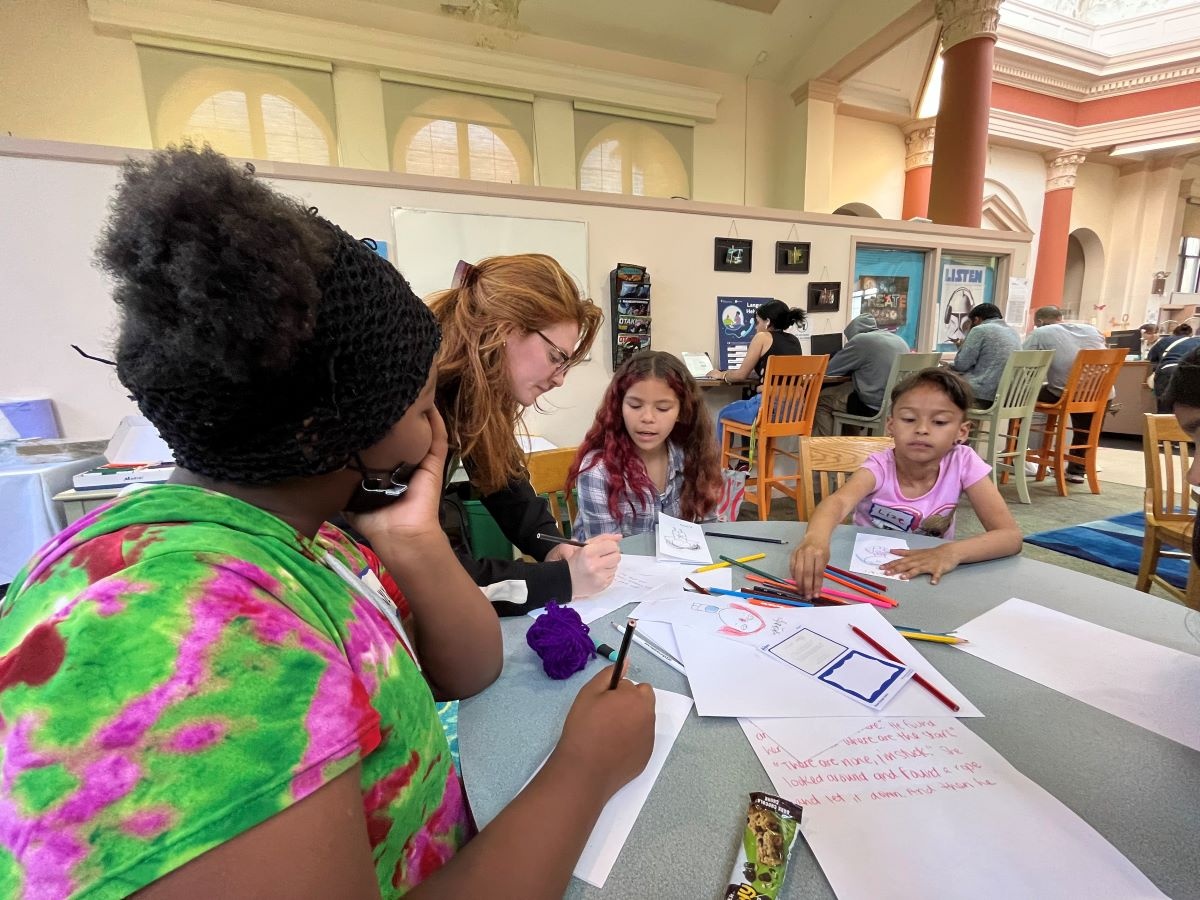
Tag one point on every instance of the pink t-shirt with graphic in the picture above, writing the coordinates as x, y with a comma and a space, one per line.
933, 512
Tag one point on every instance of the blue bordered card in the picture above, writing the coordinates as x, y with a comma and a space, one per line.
869, 679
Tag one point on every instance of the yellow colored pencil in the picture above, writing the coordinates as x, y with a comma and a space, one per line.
936, 638
724, 565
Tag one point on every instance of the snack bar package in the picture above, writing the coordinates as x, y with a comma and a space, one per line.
772, 824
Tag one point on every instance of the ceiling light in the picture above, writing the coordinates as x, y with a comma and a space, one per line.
1179, 140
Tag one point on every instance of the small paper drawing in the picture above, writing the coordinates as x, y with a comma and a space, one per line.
678, 538
737, 620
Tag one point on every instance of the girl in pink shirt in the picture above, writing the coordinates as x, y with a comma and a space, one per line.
915, 488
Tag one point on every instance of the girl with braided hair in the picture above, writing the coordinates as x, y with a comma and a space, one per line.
512, 327
202, 683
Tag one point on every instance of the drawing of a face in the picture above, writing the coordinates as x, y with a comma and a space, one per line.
875, 556
740, 620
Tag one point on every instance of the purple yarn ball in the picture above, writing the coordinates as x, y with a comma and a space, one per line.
560, 639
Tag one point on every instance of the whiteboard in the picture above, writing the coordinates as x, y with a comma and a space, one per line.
429, 243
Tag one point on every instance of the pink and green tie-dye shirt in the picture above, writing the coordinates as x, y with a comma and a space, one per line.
178, 667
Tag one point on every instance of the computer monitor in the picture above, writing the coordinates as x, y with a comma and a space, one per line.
1130, 341
826, 344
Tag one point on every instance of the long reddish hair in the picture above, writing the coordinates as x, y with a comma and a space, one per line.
629, 482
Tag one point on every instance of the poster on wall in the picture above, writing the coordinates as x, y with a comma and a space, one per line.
962, 289
735, 328
885, 297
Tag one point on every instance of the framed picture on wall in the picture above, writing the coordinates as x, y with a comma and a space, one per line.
732, 254
791, 257
824, 296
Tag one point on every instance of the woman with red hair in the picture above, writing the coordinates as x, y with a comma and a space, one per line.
650, 449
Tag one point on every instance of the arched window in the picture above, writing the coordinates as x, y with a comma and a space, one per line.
457, 135
630, 157
242, 108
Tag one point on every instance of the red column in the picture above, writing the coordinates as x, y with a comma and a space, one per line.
918, 162
1051, 268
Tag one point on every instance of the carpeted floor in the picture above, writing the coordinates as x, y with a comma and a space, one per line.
1115, 542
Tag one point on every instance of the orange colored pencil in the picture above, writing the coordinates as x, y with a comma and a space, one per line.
862, 590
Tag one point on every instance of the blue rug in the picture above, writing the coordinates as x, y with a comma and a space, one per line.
1115, 542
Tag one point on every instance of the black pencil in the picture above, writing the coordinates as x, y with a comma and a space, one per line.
558, 539
744, 537
626, 640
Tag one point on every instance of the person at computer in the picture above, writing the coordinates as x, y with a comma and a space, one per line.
868, 358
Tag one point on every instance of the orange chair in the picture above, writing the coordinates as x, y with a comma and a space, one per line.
1088, 387
548, 476
1170, 516
789, 403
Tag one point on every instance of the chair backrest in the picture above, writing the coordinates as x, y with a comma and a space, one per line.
789, 395
906, 364
1168, 453
1091, 380
548, 475
826, 463
1020, 382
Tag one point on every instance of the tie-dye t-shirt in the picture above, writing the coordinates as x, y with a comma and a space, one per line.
176, 668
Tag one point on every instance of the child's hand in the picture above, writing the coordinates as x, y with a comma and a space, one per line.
808, 567
932, 561
592, 567
608, 735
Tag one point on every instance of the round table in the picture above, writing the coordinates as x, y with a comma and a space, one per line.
1139, 790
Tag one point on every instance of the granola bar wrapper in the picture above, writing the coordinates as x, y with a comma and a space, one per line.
772, 824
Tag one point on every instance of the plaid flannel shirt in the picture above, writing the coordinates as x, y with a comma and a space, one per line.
638, 515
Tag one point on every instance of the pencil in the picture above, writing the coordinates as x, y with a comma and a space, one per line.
619, 663
862, 590
857, 598
744, 537
654, 649
746, 594
867, 581
742, 565
724, 565
934, 638
699, 590
558, 539
917, 677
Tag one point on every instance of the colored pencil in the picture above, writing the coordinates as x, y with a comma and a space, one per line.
772, 582
653, 649
619, 663
857, 598
862, 590
744, 537
917, 677
559, 539
698, 589
922, 630
742, 565
724, 565
770, 603
847, 574
934, 638
721, 592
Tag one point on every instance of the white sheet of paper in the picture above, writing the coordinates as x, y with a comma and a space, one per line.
873, 550
1139, 681
860, 675
699, 364
616, 821
731, 679
928, 802
681, 541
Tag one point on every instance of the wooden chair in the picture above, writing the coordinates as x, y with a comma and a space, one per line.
1170, 512
904, 365
789, 403
548, 475
1088, 387
1016, 396
826, 463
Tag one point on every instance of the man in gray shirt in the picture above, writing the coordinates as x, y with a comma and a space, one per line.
1066, 339
868, 357
984, 351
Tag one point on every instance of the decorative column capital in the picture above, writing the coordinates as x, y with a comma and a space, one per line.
965, 19
1061, 168
918, 144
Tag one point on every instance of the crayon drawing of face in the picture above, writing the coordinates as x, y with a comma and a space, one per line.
739, 621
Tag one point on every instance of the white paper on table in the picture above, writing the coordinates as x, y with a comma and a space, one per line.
681, 541
804, 738
860, 675
734, 680
616, 820
871, 551
637, 578
929, 799
1139, 681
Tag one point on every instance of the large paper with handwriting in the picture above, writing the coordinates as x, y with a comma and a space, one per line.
923, 807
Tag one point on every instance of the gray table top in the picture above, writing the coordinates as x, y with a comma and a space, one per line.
1139, 790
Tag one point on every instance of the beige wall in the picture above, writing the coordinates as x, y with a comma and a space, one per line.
870, 166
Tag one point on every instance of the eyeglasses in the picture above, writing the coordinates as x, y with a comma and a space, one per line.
560, 357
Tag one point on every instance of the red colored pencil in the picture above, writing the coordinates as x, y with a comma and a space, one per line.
862, 590
856, 577
773, 582
919, 679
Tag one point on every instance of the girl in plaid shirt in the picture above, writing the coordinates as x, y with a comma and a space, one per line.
651, 448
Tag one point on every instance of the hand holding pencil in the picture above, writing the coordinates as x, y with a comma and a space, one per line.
808, 564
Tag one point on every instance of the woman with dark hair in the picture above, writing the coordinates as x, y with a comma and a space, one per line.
202, 687
650, 449
1182, 398
984, 352
512, 327
771, 338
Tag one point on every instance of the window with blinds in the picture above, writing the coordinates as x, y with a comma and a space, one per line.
242, 107
454, 134
629, 156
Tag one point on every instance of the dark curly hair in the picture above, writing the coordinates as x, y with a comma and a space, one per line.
609, 440
261, 340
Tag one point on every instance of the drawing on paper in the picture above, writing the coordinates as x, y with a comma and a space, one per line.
736, 620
